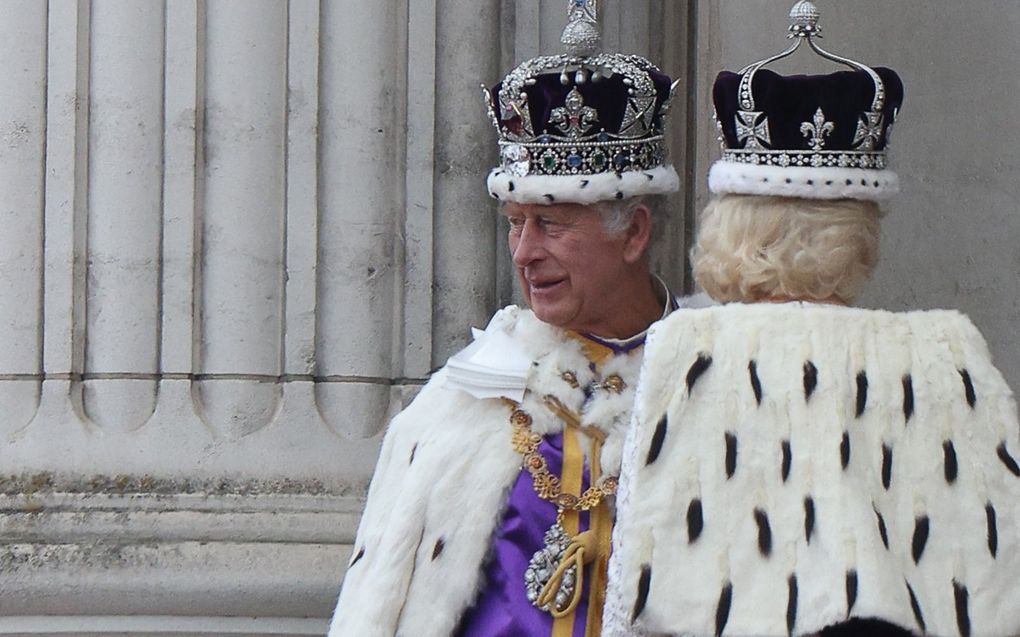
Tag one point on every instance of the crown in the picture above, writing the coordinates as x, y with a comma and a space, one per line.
822, 136
582, 126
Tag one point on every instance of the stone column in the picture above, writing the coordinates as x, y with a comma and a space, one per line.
464, 223
22, 174
124, 216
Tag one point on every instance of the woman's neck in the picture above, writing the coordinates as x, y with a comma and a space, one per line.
832, 300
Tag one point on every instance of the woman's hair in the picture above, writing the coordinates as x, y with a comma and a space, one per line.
751, 248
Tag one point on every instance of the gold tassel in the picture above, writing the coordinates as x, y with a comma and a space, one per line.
581, 551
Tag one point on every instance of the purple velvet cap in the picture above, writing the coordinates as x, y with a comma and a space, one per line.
811, 136
609, 97
788, 102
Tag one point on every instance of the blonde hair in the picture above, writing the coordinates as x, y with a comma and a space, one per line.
751, 248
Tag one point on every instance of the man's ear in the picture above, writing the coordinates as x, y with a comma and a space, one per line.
638, 235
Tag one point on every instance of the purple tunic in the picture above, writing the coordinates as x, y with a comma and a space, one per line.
502, 608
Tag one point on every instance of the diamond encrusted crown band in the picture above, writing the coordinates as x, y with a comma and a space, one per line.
582, 158
808, 158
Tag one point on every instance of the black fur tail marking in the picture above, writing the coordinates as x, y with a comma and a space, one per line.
922, 527
644, 585
851, 591
962, 610
862, 393
752, 370
695, 521
657, 439
764, 532
722, 610
810, 379
908, 397
699, 367
968, 388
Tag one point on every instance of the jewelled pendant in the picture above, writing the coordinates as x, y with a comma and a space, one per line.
542, 566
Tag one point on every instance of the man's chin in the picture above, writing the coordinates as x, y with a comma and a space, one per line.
552, 315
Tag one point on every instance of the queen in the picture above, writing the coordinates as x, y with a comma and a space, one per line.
798, 465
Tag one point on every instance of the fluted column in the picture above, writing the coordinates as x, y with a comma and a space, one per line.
125, 170
243, 215
23, 36
361, 140
464, 221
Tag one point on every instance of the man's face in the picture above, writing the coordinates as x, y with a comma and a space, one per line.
568, 266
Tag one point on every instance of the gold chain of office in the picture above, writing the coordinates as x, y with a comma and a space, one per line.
547, 486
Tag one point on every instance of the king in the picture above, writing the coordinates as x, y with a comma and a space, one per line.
491, 510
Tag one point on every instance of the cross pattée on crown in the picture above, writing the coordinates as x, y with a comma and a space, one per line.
754, 131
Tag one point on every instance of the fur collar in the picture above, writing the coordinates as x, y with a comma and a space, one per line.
442, 479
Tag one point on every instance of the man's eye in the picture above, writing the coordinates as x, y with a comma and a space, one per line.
515, 222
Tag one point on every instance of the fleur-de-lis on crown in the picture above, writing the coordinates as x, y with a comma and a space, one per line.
817, 130
754, 131
574, 118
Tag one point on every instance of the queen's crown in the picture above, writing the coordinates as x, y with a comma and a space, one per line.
839, 120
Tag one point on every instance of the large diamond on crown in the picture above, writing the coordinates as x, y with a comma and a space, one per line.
516, 160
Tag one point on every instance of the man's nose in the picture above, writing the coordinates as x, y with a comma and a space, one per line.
528, 246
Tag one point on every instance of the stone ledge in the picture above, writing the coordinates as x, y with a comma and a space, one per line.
214, 579
196, 562
74, 517
160, 626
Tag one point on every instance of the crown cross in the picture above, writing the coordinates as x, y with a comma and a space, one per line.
755, 132
583, 10
869, 131
817, 130
574, 118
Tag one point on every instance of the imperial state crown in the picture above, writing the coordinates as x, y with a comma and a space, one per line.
582, 126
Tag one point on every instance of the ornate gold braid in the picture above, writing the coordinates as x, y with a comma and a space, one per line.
547, 486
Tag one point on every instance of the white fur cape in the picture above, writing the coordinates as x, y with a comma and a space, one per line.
793, 466
442, 480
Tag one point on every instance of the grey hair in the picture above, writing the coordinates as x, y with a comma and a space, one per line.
617, 215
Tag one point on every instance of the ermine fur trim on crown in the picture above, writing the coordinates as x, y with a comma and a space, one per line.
804, 182
582, 189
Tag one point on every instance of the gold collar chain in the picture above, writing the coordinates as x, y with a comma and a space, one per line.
526, 442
